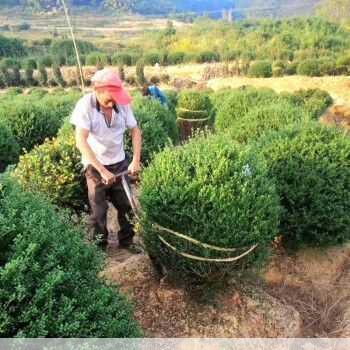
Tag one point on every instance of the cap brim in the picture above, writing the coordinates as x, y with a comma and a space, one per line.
120, 96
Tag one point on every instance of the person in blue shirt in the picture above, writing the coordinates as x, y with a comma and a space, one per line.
153, 91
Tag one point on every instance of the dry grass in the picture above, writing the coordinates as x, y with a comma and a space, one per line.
338, 86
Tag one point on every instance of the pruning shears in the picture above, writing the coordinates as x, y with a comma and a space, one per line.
127, 189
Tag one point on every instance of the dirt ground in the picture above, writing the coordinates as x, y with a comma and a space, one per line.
305, 295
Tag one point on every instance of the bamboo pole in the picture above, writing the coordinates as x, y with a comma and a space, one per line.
74, 43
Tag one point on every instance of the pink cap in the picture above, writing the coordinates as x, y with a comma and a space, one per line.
108, 79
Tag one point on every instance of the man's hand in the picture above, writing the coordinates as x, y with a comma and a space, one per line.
108, 178
134, 167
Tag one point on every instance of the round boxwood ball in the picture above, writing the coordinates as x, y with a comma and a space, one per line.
214, 191
193, 105
311, 164
239, 103
263, 119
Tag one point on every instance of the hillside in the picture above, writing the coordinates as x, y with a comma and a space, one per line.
241, 8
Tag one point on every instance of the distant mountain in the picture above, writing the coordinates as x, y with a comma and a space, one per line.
241, 8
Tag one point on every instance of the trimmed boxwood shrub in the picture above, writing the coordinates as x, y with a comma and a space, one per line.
314, 101
309, 67
49, 276
9, 148
176, 58
327, 66
193, 105
54, 169
260, 69
218, 97
56, 70
291, 68
263, 119
343, 64
30, 64
158, 126
239, 102
211, 190
122, 59
172, 98
46, 61
98, 59
31, 120
151, 58
277, 72
311, 164
140, 73
207, 57
160, 112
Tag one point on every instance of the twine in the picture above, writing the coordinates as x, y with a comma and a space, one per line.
198, 258
194, 241
190, 110
193, 120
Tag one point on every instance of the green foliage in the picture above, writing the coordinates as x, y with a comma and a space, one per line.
46, 61
264, 118
30, 63
193, 105
13, 91
9, 148
151, 58
32, 119
29, 79
239, 102
211, 190
140, 73
343, 64
311, 164
43, 78
37, 92
260, 69
158, 126
65, 48
207, 56
11, 47
98, 59
121, 73
314, 101
176, 57
172, 98
54, 169
58, 76
122, 59
49, 276
309, 67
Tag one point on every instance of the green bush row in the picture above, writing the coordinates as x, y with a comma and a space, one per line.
31, 119
49, 276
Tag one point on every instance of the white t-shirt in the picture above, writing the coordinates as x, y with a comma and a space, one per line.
107, 143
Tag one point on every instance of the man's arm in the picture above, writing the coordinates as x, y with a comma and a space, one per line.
136, 137
81, 136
